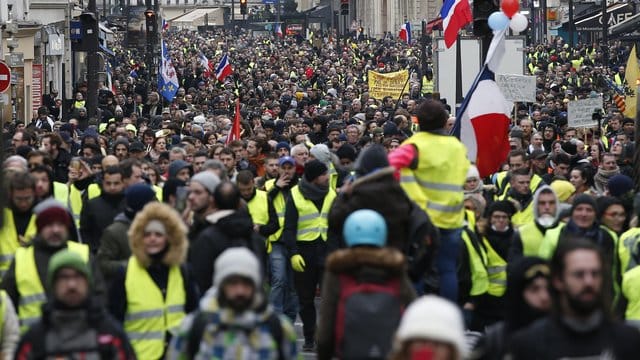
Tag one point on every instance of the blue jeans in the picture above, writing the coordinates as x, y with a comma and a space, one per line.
283, 296
447, 262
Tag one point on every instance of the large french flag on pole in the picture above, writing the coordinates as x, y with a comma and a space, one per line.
455, 15
223, 69
483, 123
405, 32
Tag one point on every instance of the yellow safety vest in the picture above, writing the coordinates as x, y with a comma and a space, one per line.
630, 286
61, 193
501, 194
523, 216
94, 191
158, 191
629, 240
436, 184
619, 79
258, 208
150, 315
29, 284
333, 177
531, 238
75, 203
311, 223
9, 242
497, 270
279, 205
3, 310
477, 265
427, 86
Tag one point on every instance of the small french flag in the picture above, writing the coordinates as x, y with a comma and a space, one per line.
279, 30
405, 32
224, 68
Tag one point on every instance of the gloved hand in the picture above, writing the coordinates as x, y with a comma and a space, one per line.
297, 263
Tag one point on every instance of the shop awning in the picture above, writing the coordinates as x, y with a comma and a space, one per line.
626, 27
199, 17
615, 14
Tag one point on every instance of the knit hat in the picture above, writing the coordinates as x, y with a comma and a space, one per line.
563, 189
505, 206
136, 197
372, 158
473, 172
321, 153
237, 261
346, 151
283, 145
53, 214
136, 146
66, 259
584, 199
619, 185
208, 179
433, 318
313, 169
389, 129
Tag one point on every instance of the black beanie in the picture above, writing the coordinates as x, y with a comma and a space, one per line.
370, 159
136, 197
313, 169
584, 199
505, 206
346, 151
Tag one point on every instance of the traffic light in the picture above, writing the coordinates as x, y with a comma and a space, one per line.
150, 16
243, 7
344, 7
481, 11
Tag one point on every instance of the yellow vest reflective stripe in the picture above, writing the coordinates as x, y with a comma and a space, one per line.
436, 184
259, 208
427, 85
536, 181
630, 286
497, 270
94, 191
9, 239
150, 315
523, 216
311, 223
477, 266
279, 205
61, 193
29, 284
75, 203
3, 310
531, 238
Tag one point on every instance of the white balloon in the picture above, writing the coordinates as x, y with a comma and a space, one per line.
518, 22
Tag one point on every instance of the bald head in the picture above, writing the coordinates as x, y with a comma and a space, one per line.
109, 160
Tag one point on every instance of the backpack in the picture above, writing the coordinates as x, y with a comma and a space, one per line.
368, 314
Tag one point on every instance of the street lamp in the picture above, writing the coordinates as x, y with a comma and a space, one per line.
150, 17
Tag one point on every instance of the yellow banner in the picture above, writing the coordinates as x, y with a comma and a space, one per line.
389, 84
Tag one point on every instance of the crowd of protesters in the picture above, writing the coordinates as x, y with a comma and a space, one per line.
142, 232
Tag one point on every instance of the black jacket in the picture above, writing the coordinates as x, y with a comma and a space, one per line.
61, 166
227, 229
97, 214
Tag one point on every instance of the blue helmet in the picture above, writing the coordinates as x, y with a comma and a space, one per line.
365, 227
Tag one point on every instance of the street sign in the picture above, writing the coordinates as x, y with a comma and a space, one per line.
5, 77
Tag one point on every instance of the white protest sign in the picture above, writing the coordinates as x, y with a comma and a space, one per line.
517, 87
580, 112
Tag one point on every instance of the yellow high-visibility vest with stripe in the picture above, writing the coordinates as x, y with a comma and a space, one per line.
150, 315
311, 222
497, 270
3, 310
75, 203
436, 184
259, 208
29, 284
477, 265
9, 242
630, 286
279, 205
523, 216
61, 193
531, 238
333, 177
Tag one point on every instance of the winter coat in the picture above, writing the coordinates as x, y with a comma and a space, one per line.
373, 264
114, 248
96, 215
227, 228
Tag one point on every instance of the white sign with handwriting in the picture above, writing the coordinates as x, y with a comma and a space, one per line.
517, 87
580, 112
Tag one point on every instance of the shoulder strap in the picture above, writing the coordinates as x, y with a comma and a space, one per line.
275, 327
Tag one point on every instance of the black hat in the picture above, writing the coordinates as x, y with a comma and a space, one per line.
538, 154
136, 146
346, 151
313, 169
584, 199
370, 159
505, 206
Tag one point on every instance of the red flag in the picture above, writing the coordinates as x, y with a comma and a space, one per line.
234, 133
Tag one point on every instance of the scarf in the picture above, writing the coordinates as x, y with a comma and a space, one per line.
602, 177
312, 191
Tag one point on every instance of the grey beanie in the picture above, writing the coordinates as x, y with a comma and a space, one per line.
237, 261
321, 153
208, 179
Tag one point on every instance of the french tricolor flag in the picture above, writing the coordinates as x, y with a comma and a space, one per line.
405, 32
224, 68
455, 15
483, 125
279, 30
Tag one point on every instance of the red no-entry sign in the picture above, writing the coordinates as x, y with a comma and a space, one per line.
5, 77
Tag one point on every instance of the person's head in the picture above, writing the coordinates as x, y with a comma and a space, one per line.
520, 180
227, 196
246, 184
300, 153
570, 133
583, 211
136, 197
198, 160
158, 234
431, 115
51, 143
365, 227
22, 191
43, 177
527, 297
321, 153
237, 278
287, 167
283, 148
431, 325
611, 213
518, 159
581, 178
579, 279
546, 206
54, 225
69, 279
201, 189
562, 163
271, 165
315, 172
180, 169
228, 159
608, 162
499, 215
131, 172
255, 146
112, 182
121, 149
473, 179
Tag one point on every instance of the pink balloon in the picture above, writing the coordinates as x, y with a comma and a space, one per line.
510, 7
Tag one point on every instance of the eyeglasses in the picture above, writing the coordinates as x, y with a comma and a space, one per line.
616, 214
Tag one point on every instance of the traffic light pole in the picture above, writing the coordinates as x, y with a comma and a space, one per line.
91, 38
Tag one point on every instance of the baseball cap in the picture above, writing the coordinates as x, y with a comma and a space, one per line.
286, 159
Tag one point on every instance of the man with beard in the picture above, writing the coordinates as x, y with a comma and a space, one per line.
234, 318
26, 277
74, 325
528, 237
201, 201
580, 325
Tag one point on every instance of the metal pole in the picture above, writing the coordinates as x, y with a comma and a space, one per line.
605, 32
571, 23
544, 21
91, 36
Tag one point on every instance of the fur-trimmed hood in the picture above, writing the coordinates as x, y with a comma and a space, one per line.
345, 260
176, 234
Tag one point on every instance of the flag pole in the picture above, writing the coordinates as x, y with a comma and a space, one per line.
401, 93
458, 73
